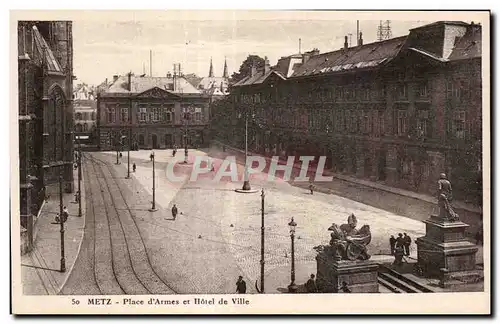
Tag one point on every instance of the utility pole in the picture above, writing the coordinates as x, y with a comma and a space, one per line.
153, 207
61, 222
262, 245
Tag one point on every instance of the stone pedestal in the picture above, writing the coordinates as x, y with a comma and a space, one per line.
445, 252
360, 276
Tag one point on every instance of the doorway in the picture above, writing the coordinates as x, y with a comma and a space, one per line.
154, 139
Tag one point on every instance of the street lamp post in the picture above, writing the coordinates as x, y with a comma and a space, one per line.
246, 182
292, 288
128, 152
61, 222
262, 245
79, 177
153, 207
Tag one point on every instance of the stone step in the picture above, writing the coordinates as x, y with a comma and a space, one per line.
407, 280
390, 287
398, 283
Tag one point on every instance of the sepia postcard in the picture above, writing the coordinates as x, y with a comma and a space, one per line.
250, 162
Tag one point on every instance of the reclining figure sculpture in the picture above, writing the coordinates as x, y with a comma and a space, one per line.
347, 242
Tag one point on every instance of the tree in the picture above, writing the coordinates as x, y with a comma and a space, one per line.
246, 67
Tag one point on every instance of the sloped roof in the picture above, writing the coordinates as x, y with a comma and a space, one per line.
45, 52
141, 84
257, 78
359, 57
468, 46
211, 82
442, 22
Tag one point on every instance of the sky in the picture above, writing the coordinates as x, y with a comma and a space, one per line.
106, 48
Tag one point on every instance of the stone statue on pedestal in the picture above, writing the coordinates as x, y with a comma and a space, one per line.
446, 212
347, 242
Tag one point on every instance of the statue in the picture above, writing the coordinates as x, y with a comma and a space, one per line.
446, 212
348, 243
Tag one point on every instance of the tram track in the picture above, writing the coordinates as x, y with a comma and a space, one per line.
140, 264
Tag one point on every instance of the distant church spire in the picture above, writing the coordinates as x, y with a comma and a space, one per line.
211, 72
225, 74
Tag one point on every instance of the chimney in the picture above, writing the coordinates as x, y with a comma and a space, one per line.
267, 67
106, 82
305, 57
360, 40
115, 77
129, 84
253, 70
346, 44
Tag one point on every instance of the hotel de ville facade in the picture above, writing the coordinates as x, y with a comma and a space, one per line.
399, 111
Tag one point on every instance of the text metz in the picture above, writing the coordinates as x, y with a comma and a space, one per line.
99, 301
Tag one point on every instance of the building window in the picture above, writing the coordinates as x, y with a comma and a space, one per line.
142, 114
366, 124
168, 115
402, 122
197, 117
78, 128
459, 124
364, 93
85, 127
453, 89
93, 115
422, 91
422, 124
141, 139
78, 116
402, 91
111, 115
124, 115
381, 121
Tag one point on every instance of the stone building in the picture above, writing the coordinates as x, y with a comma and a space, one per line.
154, 112
85, 113
45, 74
398, 111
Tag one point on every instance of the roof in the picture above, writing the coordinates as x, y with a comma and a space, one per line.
211, 82
141, 84
257, 78
359, 57
468, 46
44, 51
442, 22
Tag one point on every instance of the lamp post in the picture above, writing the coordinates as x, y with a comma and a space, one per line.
61, 222
79, 177
262, 245
128, 152
292, 288
153, 207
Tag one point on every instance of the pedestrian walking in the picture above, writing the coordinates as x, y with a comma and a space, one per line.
134, 167
121, 155
65, 214
174, 211
398, 255
174, 152
392, 243
406, 244
311, 285
241, 285
311, 188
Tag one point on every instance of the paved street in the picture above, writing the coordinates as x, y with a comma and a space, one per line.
216, 237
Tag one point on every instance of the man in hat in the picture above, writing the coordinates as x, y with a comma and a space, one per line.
241, 285
406, 244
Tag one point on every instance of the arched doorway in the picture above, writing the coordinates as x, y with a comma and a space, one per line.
154, 140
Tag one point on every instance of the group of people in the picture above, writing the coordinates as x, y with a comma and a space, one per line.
402, 243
